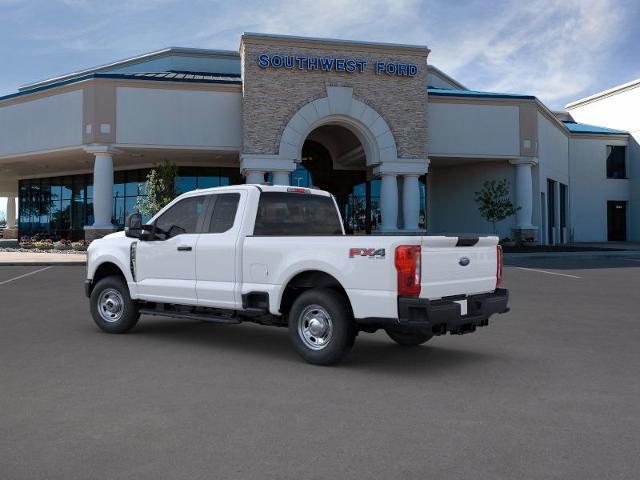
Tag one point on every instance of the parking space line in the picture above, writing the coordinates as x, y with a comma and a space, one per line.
25, 275
550, 273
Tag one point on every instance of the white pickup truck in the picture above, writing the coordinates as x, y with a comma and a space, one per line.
279, 256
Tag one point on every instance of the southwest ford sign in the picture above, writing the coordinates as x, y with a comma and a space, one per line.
334, 64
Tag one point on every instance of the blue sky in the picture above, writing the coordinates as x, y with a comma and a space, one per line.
558, 50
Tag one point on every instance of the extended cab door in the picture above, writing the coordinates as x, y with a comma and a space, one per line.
217, 251
166, 265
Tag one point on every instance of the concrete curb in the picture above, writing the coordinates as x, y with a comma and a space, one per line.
614, 254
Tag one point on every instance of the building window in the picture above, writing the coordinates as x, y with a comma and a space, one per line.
616, 161
60, 207
128, 185
56, 207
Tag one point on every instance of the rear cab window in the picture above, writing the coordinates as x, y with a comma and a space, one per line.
287, 214
223, 215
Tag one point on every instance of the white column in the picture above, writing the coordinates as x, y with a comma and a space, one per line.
254, 176
280, 178
102, 186
102, 190
524, 192
253, 167
411, 202
11, 212
389, 202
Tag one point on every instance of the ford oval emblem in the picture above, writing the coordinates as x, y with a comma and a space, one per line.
464, 261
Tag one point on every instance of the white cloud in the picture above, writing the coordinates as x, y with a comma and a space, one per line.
553, 49
349, 19
548, 48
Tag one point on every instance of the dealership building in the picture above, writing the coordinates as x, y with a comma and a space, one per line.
401, 145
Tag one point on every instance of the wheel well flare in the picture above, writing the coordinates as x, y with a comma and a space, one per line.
305, 281
107, 269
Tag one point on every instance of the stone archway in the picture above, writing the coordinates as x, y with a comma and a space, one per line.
399, 209
340, 108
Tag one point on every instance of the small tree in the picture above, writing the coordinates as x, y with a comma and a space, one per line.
494, 203
159, 188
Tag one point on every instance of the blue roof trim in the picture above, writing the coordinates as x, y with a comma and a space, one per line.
226, 79
445, 92
575, 127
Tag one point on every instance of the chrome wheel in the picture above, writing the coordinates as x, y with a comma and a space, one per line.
315, 327
110, 305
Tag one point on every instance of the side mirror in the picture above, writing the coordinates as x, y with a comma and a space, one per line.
133, 225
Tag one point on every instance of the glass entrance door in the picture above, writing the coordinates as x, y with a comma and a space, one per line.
360, 209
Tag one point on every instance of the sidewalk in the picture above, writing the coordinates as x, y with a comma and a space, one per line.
617, 245
36, 259
593, 253
623, 249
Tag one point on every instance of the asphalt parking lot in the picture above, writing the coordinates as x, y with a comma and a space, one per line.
549, 390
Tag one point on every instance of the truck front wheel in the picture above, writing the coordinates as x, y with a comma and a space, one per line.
407, 338
321, 326
111, 306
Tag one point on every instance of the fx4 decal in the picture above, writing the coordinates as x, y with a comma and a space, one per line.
366, 252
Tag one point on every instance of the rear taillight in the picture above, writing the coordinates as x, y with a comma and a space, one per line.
499, 267
408, 268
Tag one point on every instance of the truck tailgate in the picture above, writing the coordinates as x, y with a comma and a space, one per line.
456, 266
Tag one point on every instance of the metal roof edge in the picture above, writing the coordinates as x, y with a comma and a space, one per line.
604, 93
121, 76
130, 61
446, 76
598, 130
476, 94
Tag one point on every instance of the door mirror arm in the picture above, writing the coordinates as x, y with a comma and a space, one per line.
148, 233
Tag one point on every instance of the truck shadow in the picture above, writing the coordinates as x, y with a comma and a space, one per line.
371, 353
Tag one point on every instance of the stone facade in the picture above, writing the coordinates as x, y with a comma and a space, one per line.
10, 234
272, 96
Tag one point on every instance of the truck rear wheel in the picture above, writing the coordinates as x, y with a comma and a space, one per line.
111, 306
407, 338
321, 326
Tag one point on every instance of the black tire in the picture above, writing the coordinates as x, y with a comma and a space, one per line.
407, 338
124, 315
318, 305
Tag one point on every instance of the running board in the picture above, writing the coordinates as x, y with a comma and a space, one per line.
190, 316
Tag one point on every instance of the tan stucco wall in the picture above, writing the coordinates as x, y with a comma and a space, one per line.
272, 96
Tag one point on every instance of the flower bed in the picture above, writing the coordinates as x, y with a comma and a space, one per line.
49, 244
40, 245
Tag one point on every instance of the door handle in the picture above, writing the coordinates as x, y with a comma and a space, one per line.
184, 248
